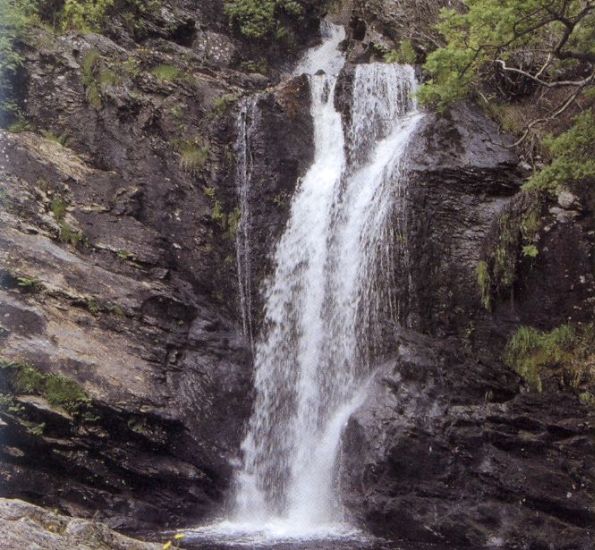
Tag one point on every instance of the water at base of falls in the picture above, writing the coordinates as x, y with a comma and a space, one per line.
323, 306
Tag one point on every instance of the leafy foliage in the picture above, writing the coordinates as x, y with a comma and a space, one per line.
260, 19
84, 15
15, 18
91, 15
405, 54
573, 154
517, 36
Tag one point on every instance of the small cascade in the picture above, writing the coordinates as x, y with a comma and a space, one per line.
246, 123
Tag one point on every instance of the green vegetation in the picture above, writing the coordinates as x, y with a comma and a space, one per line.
498, 51
92, 15
19, 125
222, 104
515, 247
194, 155
15, 18
58, 207
573, 154
567, 352
22, 378
90, 65
227, 221
66, 233
125, 255
92, 306
84, 15
166, 73
492, 36
530, 251
61, 139
30, 284
69, 235
260, 19
405, 54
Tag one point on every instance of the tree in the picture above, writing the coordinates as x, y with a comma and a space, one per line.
506, 49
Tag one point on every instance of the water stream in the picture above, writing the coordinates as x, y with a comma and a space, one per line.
334, 267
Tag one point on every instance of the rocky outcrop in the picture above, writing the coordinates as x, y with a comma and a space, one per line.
23, 525
443, 451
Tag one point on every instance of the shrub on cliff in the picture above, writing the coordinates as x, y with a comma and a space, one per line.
261, 19
15, 17
502, 51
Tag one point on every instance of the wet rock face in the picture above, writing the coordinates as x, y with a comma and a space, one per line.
428, 458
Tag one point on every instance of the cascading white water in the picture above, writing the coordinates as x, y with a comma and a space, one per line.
323, 303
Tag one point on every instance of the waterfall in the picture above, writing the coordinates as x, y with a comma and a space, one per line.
247, 122
333, 273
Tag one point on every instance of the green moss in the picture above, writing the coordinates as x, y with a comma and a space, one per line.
62, 139
209, 192
217, 214
60, 391
20, 125
107, 78
233, 222
166, 73
222, 104
566, 349
530, 251
531, 224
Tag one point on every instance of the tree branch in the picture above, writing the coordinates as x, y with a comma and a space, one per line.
556, 84
561, 108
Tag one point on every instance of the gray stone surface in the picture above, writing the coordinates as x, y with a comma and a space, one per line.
24, 525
